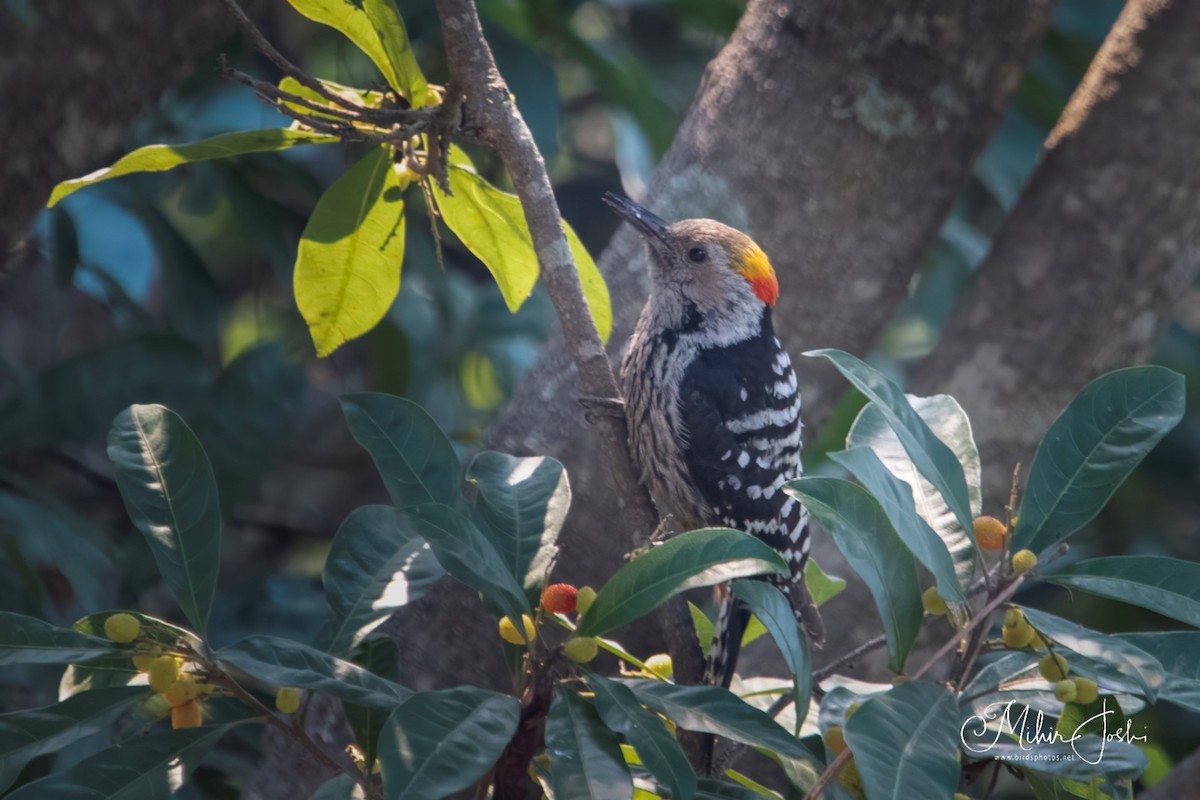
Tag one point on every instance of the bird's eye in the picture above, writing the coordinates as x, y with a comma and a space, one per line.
697, 255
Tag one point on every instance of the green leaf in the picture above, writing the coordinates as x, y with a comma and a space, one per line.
950, 424
1167, 586
282, 662
711, 709
585, 757
437, 743
621, 711
339, 787
1126, 658
1092, 447
821, 585
491, 224
378, 30
153, 629
138, 768
380, 655
861, 530
162, 157
905, 742
1084, 758
934, 460
688, 561
348, 265
170, 494
1100, 717
896, 498
28, 640
704, 627
413, 456
775, 612
1179, 654
754, 786
375, 566
465, 553
25, 735
524, 502
364, 97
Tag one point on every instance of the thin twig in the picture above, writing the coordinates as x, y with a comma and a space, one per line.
827, 775
866, 647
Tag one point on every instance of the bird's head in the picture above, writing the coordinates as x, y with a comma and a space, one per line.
711, 264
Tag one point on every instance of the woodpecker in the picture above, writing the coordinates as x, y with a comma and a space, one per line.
713, 405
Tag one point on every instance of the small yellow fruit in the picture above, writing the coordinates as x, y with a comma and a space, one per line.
1052, 667
584, 599
835, 739
989, 533
1023, 561
1064, 691
122, 628
163, 673
1018, 636
188, 715
185, 689
932, 602
1013, 617
661, 665
581, 649
287, 699
144, 662
1086, 690
510, 634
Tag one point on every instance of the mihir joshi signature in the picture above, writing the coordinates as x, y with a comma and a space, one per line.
1028, 737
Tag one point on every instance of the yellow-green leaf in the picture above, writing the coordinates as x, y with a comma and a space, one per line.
348, 267
378, 30
162, 157
364, 97
492, 225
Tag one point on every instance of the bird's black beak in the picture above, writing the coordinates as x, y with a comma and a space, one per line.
647, 223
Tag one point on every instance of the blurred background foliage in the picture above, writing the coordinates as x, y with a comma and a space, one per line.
177, 290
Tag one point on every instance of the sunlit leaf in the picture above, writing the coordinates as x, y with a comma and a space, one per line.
348, 266
822, 586
170, 494
162, 157
688, 561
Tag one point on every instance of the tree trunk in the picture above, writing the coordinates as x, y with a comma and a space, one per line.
1103, 241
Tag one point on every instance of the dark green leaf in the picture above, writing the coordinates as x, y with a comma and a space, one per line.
896, 498
464, 552
524, 502
585, 757
25, 735
348, 267
688, 561
621, 711
775, 612
281, 662
949, 423
711, 709
380, 655
413, 456
376, 27
905, 742
162, 157
1167, 586
27, 640
1125, 657
822, 586
437, 743
861, 530
1092, 447
375, 566
339, 787
134, 770
169, 491
1179, 654
934, 460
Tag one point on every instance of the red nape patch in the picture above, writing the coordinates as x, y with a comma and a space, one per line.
766, 287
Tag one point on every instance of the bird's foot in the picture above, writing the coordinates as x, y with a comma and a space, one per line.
594, 407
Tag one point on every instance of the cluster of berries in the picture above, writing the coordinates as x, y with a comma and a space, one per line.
563, 598
990, 535
176, 686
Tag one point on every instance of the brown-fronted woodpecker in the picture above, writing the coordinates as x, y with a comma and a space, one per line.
713, 405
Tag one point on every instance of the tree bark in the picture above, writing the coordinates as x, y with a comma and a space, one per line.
838, 135
1104, 240
74, 78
